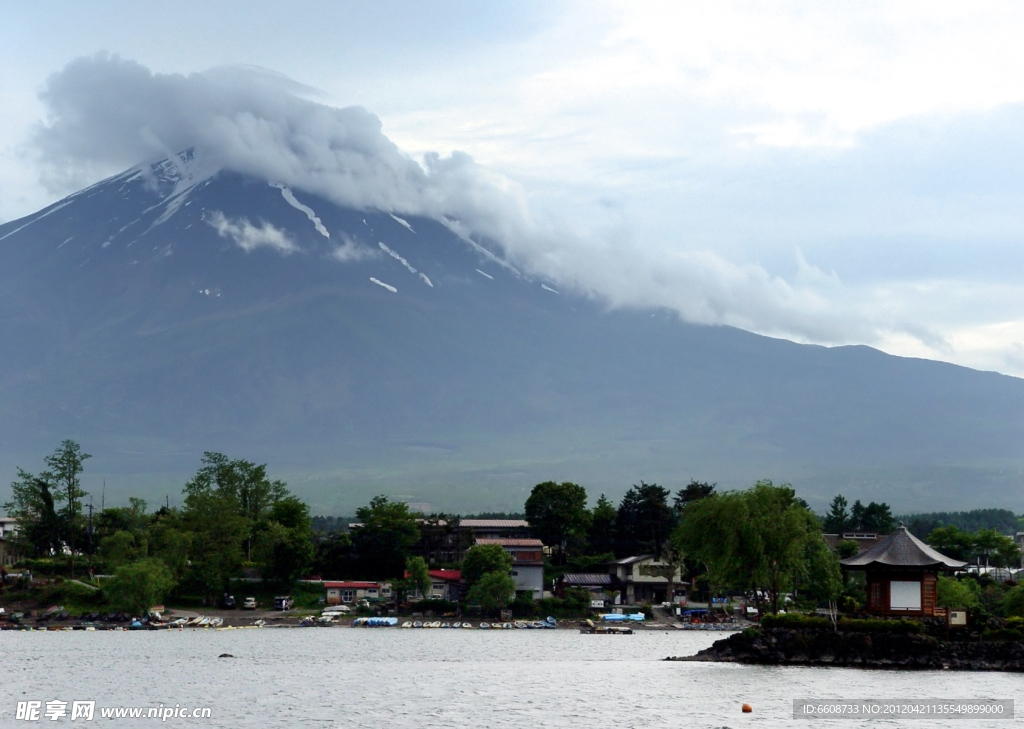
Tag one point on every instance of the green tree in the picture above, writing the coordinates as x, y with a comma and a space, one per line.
644, 521
419, 575
847, 548
838, 518
492, 592
558, 515
485, 559
284, 541
33, 505
119, 549
64, 467
707, 534
244, 483
763, 539
1013, 602
822, 577
136, 587
131, 518
877, 518
693, 491
172, 544
218, 536
995, 547
958, 594
952, 541
333, 555
601, 533
384, 537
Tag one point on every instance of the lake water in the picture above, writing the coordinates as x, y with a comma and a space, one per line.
443, 678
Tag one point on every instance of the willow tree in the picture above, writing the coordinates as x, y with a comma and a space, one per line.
763, 539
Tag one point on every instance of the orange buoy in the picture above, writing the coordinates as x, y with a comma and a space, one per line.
747, 708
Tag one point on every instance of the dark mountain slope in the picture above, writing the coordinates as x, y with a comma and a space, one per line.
156, 315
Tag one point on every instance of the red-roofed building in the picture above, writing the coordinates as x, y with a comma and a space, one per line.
444, 585
349, 592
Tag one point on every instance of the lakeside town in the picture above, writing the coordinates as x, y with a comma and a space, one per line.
245, 552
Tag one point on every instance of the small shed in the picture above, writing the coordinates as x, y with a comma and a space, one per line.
902, 575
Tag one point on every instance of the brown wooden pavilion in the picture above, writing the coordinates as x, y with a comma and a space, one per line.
902, 574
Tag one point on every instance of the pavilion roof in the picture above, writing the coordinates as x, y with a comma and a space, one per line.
902, 549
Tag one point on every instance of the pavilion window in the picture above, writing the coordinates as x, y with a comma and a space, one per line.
904, 595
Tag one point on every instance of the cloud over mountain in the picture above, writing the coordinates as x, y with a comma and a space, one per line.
106, 113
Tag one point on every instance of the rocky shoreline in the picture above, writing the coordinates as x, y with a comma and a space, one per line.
847, 649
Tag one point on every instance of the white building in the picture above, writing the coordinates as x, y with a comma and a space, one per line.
8, 526
527, 563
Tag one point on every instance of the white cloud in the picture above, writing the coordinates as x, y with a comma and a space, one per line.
352, 250
249, 237
797, 170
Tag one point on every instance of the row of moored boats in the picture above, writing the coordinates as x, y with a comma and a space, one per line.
515, 625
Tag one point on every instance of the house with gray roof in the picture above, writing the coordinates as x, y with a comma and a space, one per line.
644, 579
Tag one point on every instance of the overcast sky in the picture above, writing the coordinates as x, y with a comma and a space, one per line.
826, 172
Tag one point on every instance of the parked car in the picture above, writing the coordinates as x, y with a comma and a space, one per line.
249, 603
284, 602
228, 602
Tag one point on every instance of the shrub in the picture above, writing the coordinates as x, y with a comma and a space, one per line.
559, 608
493, 591
1013, 603
1002, 634
880, 625
958, 594
854, 625
849, 604
795, 620
138, 586
524, 606
437, 607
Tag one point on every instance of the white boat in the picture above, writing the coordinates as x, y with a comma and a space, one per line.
407, 624
216, 622
417, 624
467, 625
485, 626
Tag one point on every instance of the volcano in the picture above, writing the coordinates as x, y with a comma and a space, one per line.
170, 310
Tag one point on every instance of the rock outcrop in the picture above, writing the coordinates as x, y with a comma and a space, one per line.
824, 647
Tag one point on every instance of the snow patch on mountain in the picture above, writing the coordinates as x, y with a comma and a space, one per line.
249, 237
463, 234
402, 222
397, 257
290, 197
392, 289
51, 211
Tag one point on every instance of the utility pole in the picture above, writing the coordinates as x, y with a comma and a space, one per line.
103, 496
90, 537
